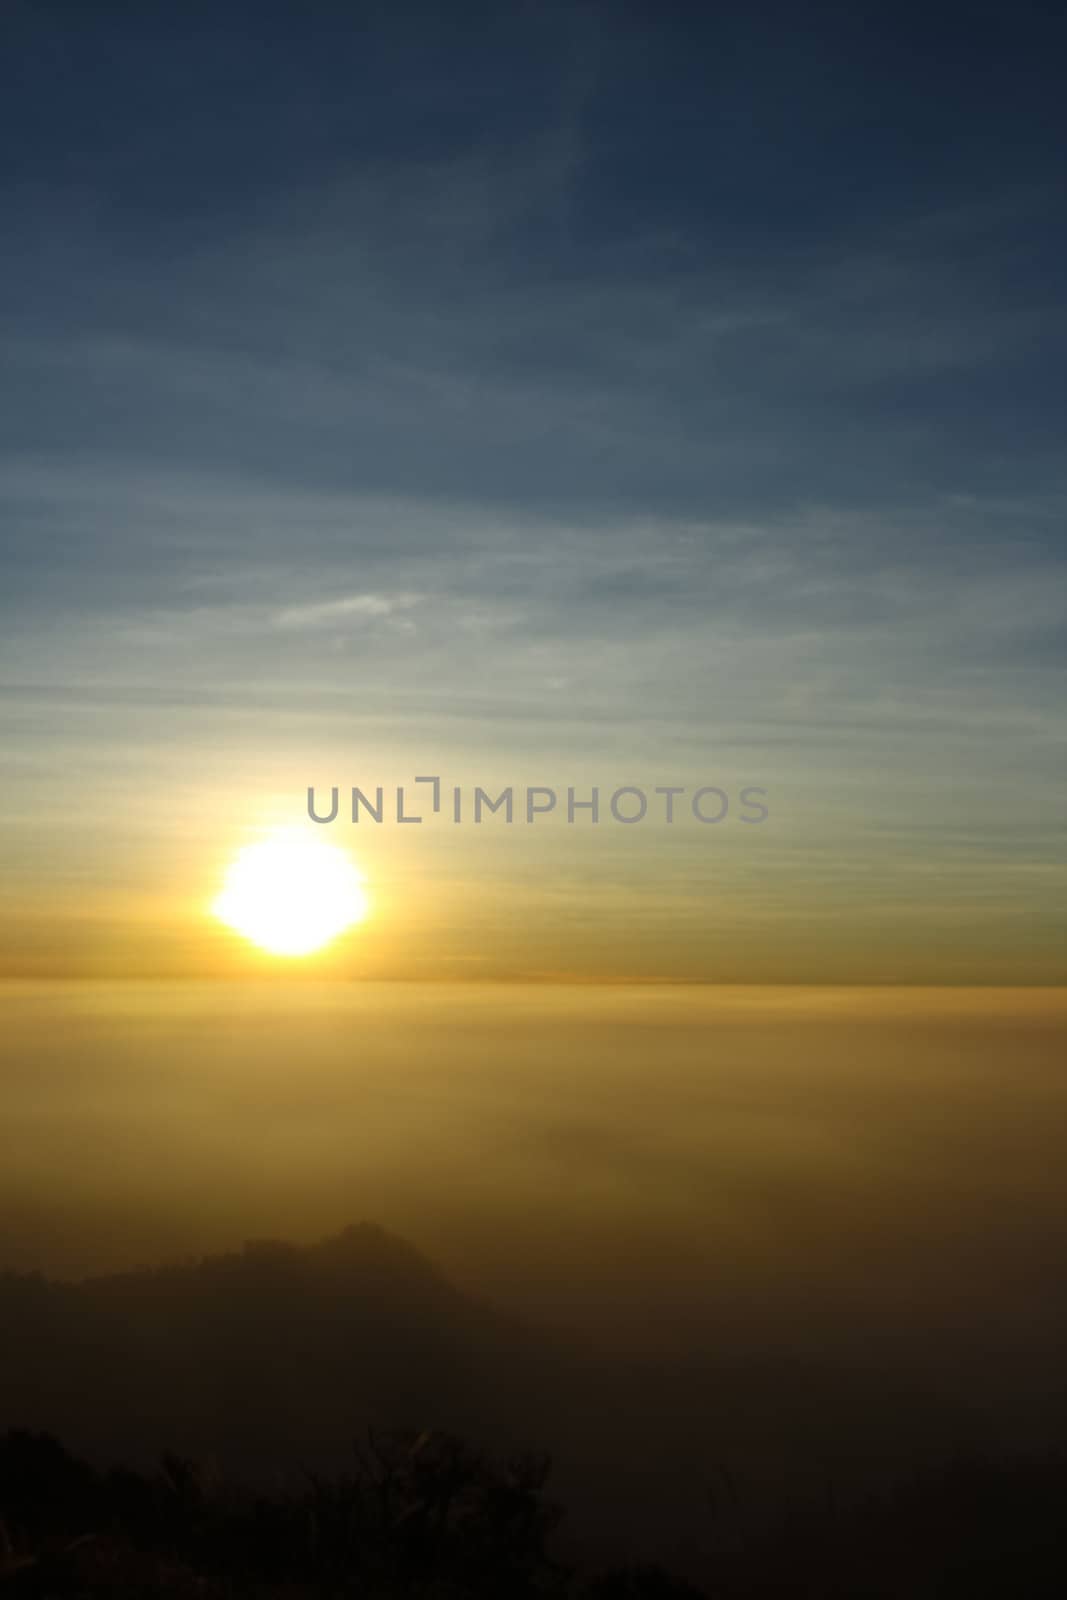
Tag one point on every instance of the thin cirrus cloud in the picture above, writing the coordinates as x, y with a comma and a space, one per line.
351, 608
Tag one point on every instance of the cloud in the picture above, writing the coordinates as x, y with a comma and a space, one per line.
352, 607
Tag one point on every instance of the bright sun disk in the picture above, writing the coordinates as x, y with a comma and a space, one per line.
291, 894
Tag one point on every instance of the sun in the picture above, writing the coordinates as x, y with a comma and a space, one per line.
291, 894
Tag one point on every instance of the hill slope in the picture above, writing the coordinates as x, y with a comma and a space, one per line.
257, 1354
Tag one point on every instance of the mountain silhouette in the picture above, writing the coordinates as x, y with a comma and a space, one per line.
274, 1359
256, 1354
278, 1365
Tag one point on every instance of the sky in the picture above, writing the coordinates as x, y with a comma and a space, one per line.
537, 395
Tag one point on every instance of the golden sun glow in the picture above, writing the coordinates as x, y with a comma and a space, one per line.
291, 894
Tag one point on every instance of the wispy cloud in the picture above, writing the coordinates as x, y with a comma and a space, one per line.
351, 608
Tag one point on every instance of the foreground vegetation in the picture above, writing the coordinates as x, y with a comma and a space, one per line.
426, 1517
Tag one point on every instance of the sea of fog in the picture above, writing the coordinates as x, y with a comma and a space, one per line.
784, 1173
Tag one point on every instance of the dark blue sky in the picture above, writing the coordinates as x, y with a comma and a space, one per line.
796, 256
